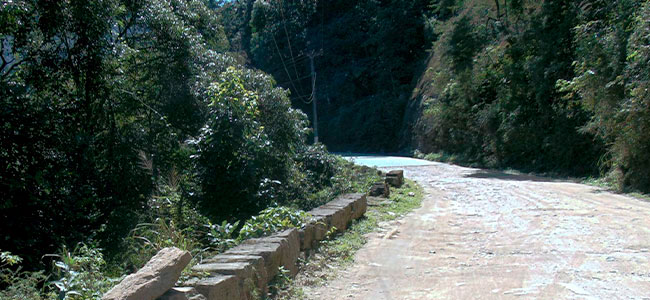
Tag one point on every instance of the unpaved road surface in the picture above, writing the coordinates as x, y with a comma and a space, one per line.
489, 235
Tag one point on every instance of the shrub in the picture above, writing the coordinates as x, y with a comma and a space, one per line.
80, 274
272, 220
221, 237
18, 284
243, 160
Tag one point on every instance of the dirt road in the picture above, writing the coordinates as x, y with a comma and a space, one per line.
489, 235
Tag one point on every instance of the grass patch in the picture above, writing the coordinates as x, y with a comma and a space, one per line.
338, 252
609, 185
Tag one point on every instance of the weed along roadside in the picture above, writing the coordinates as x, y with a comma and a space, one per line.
264, 267
336, 254
244, 271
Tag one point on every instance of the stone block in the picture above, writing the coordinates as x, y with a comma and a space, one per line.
395, 178
158, 275
289, 240
335, 216
343, 215
379, 189
218, 287
357, 203
291, 253
260, 278
251, 280
306, 235
182, 293
271, 252
321, 227
360, 205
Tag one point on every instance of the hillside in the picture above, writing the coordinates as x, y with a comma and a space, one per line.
552, 86
557, 86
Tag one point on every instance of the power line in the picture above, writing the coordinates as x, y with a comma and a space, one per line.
286, 33
300, 58
297, 79
313, 92
283, 64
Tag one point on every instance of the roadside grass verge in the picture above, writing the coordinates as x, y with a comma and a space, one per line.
338, 252
609, 185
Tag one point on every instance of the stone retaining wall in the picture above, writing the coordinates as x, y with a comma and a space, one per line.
245, 270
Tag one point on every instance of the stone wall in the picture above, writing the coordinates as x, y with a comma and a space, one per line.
245, 270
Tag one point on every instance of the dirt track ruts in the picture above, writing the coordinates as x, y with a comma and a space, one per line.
489, 235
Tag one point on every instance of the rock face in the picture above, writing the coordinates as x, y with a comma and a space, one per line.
395, 178
379, 189
154, 279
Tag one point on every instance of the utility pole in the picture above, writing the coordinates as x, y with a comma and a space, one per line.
313, 92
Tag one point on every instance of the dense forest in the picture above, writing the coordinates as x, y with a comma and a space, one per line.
543, 86
129, 125
555, 86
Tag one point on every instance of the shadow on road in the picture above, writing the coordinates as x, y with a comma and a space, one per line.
492, 174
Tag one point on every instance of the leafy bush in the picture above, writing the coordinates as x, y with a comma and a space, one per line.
243, 158
221, 237
80, 274
319, 166
77, 114
16, 283
271, 220
170, 221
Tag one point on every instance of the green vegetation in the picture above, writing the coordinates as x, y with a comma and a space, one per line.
271, 220
128, 126
547, 87
339, 251
552, 86
368, 51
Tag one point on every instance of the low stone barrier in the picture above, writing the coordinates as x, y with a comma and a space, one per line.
244, 271
157, 276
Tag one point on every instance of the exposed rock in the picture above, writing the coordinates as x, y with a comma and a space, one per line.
379, 189
154, 279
